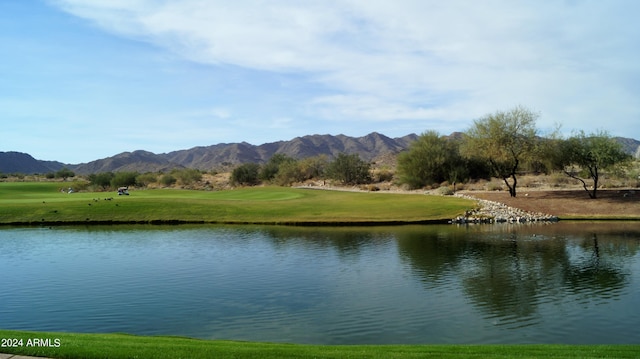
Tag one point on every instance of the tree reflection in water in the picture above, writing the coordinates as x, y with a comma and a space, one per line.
509, 273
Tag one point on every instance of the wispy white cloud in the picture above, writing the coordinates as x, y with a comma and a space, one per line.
409, 60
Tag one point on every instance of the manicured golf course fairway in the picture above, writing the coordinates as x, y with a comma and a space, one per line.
115, 346
45, 203
36, 203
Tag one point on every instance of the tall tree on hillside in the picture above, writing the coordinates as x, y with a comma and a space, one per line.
504, 140
588, 155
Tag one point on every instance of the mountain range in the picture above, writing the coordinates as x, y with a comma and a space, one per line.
221, 155
224, 155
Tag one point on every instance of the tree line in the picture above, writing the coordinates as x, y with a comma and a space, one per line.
504, 145
284, 170
111, 180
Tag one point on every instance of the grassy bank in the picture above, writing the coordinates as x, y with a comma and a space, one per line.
43, 202
89, 346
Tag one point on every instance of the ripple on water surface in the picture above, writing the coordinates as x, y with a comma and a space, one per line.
333, 286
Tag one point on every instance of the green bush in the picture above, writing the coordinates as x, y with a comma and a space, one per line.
64, 173
102, 180
246, 174
270, 169
124, 179
146, 179
289, 173
349, 169
168, 180
187, 176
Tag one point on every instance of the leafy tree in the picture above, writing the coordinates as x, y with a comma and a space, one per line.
349, 169
288, 173
124, 179
270, 169
297, 171
313, 167
587, 155
65, 173
246, 174
146, 179
504, 140
102, 180
430, 159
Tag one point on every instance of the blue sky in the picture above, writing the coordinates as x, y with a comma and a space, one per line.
87, 79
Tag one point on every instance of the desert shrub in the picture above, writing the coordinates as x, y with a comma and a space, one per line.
146, 179
270, 169
313, 167
370, 188
558, 179
246, 174
124, 179
383, 175
167, 180
349, 169
101, 180
187, 176
529, 181
289, 173
445, 191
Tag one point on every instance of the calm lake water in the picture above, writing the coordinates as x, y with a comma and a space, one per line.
557, 283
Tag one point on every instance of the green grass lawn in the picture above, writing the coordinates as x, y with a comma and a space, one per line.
114, 346
43, 202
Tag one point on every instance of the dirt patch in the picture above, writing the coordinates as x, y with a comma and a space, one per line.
624, 204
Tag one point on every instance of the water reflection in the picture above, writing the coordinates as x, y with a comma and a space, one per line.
512, 271
507, 271
409, 284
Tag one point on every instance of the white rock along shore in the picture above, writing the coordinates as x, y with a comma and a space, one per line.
496, 212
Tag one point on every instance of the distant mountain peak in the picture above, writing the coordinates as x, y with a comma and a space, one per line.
19, 162
369, 147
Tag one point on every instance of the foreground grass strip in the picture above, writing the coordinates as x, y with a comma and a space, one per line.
44, 203
90, 346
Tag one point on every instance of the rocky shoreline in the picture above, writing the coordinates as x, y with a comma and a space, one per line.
496, 212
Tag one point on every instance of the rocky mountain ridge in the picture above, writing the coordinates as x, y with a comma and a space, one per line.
19, 162
227, 154
211, 157
370, 147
